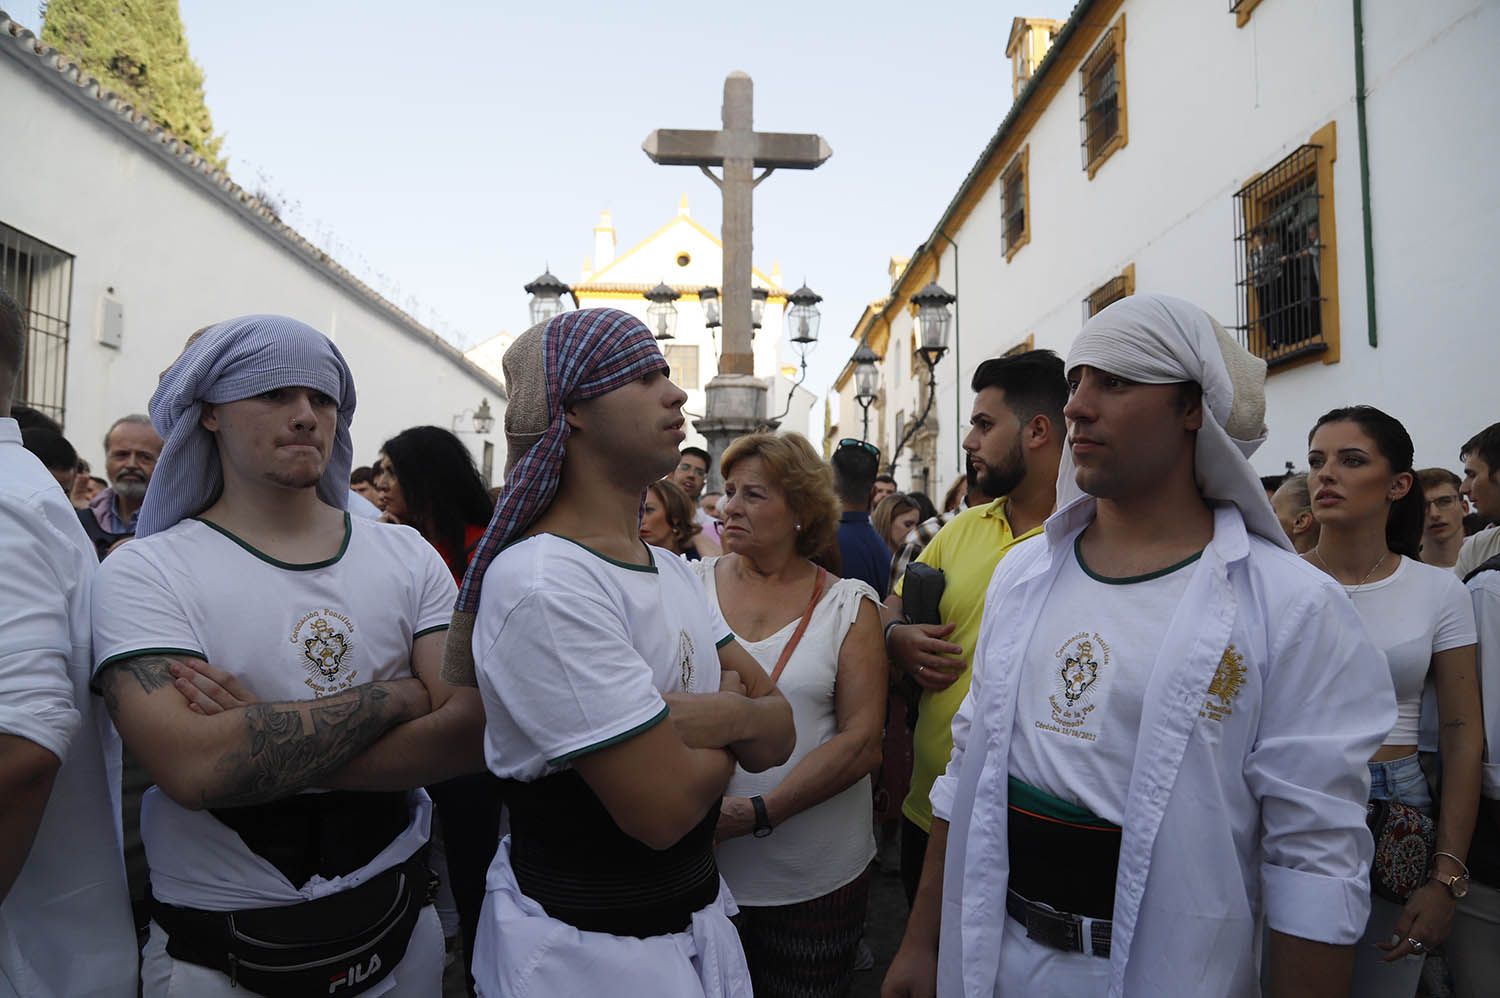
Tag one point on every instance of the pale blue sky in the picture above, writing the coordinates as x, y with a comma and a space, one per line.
457, 148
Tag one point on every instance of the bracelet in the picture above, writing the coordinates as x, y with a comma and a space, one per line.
895, 623
1455, 859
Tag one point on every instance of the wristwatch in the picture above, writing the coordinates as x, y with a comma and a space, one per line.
762, 817
1457, 884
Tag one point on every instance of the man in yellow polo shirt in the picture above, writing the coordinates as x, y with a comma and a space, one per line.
1015, 441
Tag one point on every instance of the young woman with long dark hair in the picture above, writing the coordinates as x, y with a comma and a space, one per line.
429, 482
1369, 508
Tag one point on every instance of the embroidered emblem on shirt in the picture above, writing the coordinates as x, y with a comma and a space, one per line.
685, 657
1228, 680
1082, 659
324, 639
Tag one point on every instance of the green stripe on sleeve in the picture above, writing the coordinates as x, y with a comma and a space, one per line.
613, 740
724, 640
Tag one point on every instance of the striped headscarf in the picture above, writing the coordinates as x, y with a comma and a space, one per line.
238, 359
569, 358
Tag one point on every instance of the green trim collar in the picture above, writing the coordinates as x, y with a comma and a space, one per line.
613, 561
288, 566
1129, 579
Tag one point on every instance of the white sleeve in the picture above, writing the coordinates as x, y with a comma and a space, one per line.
1327, 705
137, 613
1455, 618
36, 692
1485, 591
564, 667
437, 595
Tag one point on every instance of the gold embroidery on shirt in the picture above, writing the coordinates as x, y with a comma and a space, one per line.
1228, 680
324, 650
1081, 659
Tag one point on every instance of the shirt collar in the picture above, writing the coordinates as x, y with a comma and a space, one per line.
1230, 542
854, 516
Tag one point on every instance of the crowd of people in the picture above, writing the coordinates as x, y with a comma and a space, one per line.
1133, 719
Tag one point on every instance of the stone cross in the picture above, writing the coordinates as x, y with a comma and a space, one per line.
738, 149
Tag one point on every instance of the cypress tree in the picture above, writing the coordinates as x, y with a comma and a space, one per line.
137, 49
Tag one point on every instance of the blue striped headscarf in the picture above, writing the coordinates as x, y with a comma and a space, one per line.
569, 358
238, 359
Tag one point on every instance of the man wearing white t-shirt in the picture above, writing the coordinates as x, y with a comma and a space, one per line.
584, 642
273, 663
1481, 457
1165, 737
64, 911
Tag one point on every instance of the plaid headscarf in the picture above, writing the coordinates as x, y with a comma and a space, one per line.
238, 359
569, 358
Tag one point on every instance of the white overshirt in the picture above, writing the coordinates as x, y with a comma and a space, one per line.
1249, 781
1484, 589
65, 927
1477, 550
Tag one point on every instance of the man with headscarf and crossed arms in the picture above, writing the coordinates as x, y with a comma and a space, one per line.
616, 699
1165, 738
273, 663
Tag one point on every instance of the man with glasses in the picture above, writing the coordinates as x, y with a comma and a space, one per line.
862, 553
691, 474
1443, 526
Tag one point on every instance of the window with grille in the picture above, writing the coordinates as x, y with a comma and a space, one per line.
1282, 260
40, 277
683, 359
1109, 292
1101, 94
1015, 203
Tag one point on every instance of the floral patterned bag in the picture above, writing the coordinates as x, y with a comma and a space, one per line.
1404, 841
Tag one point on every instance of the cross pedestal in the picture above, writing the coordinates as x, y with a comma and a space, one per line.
736, 399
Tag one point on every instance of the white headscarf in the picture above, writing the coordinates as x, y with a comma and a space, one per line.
1157, 340
234, 360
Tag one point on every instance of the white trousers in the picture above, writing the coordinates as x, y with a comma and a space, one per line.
418, 975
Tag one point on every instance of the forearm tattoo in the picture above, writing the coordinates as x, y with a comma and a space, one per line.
290, 746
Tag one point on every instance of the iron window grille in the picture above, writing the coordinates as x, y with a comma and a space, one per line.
40, 277
1106, 295
1101, 94
1014, 204
682, 358
1279, 250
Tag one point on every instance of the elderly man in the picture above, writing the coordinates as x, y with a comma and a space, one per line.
1166, 736
584, 642
64, 914
131, 448
273, 664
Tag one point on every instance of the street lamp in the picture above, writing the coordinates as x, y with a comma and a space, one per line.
866, 382
661, 316
546, 296
482, 419
758, 298
802, 328
710, 299
934, 316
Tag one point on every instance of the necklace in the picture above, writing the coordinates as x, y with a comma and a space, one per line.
1350, 592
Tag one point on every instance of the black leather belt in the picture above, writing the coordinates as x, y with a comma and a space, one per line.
1060, 930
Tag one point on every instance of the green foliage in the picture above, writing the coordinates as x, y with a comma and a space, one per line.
137, 49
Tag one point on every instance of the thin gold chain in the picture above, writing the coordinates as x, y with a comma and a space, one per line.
1319, 555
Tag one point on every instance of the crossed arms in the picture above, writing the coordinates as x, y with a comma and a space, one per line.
387, 735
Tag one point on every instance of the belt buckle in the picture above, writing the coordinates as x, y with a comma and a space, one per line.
1058, 929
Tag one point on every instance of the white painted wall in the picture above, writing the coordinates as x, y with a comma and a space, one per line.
1209, 106
178, 259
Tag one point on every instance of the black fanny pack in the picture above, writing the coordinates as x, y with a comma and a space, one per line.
570, 857
342, 944
1060, 855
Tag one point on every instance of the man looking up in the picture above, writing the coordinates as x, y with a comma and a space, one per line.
1443, 526
1167, 731
862, 554
131, 448
64, 913
1481, 458
1293, 506
256, 645
585, 640
1014, 444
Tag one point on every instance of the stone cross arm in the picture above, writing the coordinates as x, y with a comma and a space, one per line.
770, 150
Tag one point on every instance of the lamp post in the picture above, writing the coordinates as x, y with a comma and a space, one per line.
709, 297
482, 419
802, 321
758, 298
934, 316
661, 315
866, 382
546, 296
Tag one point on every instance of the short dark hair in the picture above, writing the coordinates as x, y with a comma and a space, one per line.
12, 337
51, 448
363, 475
854, 472
1273, 482
1485, 445
887, 479
1431, 478
28, 418
701, 454
1035, 383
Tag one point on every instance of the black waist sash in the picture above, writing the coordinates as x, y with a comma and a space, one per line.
571, 858
1060, 854
327, 834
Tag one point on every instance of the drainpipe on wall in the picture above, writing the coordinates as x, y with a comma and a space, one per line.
1364, 164
958, 355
